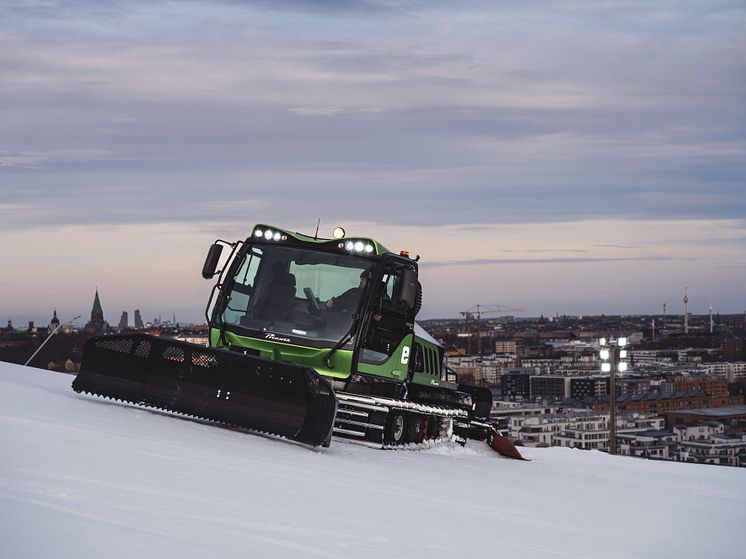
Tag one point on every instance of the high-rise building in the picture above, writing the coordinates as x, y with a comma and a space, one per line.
138, 320
124, 321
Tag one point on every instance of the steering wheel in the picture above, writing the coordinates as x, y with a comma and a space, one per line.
313, 302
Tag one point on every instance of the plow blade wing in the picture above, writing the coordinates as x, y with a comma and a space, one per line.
270, 396
503, 445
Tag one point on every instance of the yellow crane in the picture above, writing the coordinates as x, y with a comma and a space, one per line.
478, 311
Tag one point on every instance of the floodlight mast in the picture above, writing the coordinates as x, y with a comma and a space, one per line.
612, 403
612, 358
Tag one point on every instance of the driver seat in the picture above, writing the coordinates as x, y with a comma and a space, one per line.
279, 299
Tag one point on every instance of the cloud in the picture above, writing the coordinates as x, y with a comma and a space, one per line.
511, 261
531, 130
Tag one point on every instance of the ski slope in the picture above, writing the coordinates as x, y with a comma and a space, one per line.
88, 478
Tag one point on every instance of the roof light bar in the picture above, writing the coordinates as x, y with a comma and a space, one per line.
360, 246
269, 235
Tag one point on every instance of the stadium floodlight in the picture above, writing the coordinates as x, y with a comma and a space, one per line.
613, 358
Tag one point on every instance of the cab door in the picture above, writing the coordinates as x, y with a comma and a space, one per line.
386, 343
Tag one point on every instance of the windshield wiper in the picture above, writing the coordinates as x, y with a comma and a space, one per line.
326, 361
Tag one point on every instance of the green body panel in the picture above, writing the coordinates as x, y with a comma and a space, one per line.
429, 370
392, 369
395, 367
308, 356
427, 378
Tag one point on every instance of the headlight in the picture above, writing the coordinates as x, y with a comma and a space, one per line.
362, 246
269, 235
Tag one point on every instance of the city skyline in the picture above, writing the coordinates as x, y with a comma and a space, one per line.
563, 158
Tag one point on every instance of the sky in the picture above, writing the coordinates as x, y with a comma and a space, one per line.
559, 157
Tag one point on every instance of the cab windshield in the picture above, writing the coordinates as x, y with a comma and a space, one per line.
298, 293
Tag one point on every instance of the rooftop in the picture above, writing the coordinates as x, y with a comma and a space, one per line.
716, 412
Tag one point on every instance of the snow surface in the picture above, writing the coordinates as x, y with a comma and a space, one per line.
87, 477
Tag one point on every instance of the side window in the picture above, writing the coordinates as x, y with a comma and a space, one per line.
243, 287
390, 281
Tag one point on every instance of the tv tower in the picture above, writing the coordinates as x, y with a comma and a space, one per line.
686, 312
712, 324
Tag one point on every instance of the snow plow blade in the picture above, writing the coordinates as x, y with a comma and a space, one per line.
242, 390
503, 445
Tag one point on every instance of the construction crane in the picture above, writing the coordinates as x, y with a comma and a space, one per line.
478, 311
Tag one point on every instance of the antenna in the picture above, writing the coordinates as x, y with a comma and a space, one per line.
316, 235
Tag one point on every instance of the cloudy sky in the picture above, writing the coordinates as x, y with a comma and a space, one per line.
558, 156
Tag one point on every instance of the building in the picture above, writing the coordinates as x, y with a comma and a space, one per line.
585, 387
539, 430
707, 443
726, 415
732, 349
505, 346
549, 387
138, 320
124, 322
516, 384
655, 402
55, 322
647, 444
590, 432
711, 385
97, 325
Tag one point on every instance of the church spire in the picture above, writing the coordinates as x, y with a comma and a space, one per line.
55, 322
97, 310
97, 324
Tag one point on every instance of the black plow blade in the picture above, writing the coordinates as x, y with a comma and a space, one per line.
270, 396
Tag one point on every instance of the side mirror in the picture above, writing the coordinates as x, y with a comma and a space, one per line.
407, 288
211, 262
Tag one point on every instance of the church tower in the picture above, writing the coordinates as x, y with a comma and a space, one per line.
55, 322
97, 325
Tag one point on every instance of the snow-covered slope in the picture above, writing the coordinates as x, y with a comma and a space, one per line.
86, 477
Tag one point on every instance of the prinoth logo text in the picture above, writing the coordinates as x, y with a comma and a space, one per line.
271, 336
